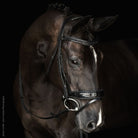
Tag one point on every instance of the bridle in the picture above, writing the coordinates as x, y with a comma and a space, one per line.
69, 97
72, 96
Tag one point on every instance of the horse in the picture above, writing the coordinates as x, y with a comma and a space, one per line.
63, 70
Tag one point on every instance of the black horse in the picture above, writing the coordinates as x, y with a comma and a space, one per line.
63, 71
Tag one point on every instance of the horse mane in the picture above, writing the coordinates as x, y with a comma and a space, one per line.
60, 7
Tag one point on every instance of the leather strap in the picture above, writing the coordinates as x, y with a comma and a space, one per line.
52, 115
79, 41
87, 94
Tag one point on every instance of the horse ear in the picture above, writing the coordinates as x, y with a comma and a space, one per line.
82, 22
41, 48
101, 23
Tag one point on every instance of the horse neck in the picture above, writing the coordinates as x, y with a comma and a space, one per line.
44, 95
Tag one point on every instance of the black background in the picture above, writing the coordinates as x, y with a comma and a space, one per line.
17, 16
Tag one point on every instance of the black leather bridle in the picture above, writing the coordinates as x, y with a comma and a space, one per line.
69, 96
92, 95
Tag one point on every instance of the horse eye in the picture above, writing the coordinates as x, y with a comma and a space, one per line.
75, 62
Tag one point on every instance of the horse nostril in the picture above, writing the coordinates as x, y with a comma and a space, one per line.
91, 125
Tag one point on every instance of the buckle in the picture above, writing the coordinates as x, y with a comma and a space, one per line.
71, 104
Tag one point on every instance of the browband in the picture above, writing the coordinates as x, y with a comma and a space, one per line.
79, 41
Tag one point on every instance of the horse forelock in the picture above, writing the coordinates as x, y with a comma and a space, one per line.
59, 7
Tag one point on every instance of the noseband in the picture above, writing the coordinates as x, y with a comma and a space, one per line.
70, 97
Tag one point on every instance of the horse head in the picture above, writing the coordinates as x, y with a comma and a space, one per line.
60, 60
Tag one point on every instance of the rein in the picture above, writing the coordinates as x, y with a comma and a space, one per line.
51, 116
